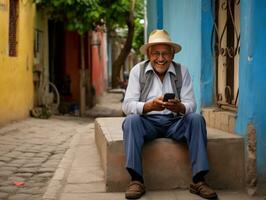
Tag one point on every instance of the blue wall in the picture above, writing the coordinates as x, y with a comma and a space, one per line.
207, 59
185, 29
252, 77
152, 15
190, 24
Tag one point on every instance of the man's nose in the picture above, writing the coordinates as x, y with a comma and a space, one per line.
161, 57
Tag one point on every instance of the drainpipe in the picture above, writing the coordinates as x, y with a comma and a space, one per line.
82, 84
159, 4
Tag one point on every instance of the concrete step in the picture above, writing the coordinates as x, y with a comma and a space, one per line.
165, 162
220, 119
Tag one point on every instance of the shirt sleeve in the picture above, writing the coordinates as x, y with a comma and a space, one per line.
187, 93
131, 103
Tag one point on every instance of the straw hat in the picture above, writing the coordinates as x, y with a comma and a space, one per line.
159, 37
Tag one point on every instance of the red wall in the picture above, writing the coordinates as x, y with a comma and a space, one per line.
95, 60
72, 62
98, 62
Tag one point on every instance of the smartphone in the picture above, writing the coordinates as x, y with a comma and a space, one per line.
168, 96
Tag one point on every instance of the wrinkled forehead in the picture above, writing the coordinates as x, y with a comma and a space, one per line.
160, 47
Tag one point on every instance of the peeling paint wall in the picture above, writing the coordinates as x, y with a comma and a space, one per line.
184, 29
252, 81
251, 168
16, 86
190, 23
98, 62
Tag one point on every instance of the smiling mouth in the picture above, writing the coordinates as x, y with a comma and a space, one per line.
161, 63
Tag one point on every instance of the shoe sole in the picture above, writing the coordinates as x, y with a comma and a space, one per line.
198, 193
130, 196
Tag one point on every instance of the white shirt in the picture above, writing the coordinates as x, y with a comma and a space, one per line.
132, 105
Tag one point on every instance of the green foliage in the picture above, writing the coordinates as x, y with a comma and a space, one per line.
85, 15
116, 10
79, 15
138, 39
42, 112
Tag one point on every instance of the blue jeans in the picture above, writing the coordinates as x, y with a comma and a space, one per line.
137, 129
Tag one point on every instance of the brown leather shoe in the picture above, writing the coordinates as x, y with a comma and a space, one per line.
203, 189
135, 190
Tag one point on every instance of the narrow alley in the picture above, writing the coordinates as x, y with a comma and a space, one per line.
57, 159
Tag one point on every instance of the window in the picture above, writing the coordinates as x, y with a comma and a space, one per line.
13, 16
37, 50
226, 50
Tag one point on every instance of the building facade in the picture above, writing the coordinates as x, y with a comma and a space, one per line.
41, 63
16, 59
228, 71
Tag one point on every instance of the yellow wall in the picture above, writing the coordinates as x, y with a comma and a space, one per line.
16, 85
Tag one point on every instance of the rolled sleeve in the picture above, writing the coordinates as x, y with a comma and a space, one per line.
187, 93
133, 107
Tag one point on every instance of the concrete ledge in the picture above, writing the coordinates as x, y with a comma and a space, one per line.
57, 182
219, 119
165, 162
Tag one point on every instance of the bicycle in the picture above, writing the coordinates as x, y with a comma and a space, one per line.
48, 97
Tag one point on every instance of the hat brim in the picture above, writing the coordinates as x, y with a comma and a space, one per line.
143, 49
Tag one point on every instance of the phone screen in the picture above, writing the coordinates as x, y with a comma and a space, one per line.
168, 96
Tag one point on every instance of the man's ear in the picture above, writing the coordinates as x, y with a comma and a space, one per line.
173, 55
173, 52
148, 53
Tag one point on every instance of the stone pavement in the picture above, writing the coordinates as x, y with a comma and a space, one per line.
30, 152
109, 105
57, 159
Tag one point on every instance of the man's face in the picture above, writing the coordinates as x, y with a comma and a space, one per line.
160, 56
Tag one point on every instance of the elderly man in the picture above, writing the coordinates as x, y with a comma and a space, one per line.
153, 113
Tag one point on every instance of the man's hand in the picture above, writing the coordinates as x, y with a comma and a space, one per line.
175, 106
154, 105
158, 104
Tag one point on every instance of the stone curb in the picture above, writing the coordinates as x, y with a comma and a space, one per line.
58, 180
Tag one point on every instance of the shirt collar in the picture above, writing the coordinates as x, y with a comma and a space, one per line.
171, 68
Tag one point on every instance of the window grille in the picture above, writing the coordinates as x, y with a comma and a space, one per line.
226, 30
13, 16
